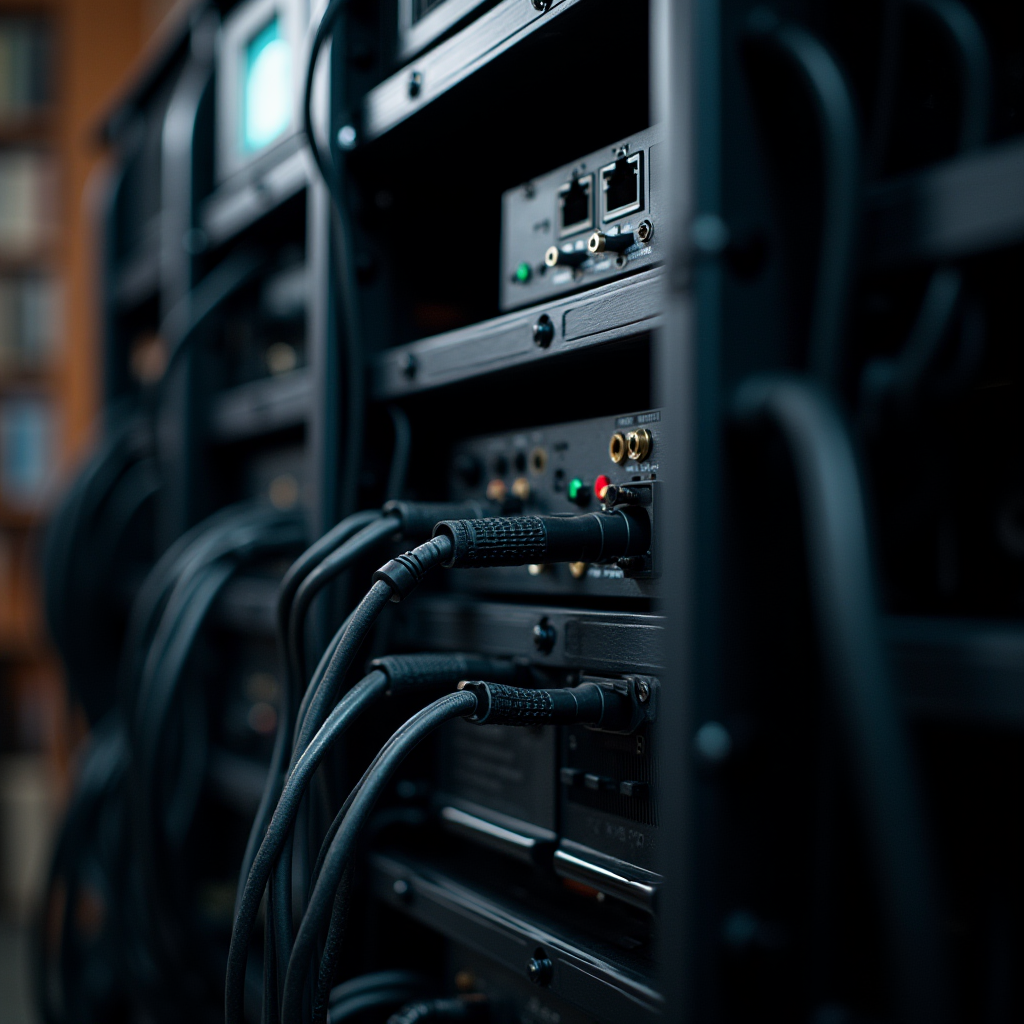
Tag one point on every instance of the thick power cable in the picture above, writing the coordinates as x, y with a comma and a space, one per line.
844, 600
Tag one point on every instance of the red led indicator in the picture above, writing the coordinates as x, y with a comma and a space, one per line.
600, 486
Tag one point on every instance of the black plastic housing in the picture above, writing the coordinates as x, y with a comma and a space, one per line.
523, 540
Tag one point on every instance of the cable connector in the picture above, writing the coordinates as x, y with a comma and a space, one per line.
470, 1008
524, 540
404, 573
418, 518
587, 704
409, 672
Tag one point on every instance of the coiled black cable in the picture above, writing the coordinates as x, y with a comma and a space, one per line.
162, 802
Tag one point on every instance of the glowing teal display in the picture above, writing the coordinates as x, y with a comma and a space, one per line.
267, 91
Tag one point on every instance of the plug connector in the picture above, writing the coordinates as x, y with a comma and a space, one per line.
418, 518
587, 704
414, 672
524, 540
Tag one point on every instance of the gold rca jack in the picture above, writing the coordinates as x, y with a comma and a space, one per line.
617, 448
639, 444
600, 242
556, 257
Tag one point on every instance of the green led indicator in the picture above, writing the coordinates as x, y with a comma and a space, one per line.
575, 486
523, 273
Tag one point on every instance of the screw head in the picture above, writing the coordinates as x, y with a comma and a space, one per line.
544, 636
540, 5
543, 331
540, 969
645, 230
415, 84
347, 136
643, 691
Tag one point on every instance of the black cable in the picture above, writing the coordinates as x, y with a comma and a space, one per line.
296, 573
840, 153
396, 675
342, 236
79, 590
410, 735
962, 30
459, 1008
324, 573
75, 852
172, 610
494, 704
380, 991
901, 378
348, 709
401, 454
843, 595
192, 313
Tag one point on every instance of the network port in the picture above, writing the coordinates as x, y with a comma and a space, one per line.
622, 189
576, 205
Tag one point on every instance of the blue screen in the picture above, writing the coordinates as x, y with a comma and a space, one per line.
267, 91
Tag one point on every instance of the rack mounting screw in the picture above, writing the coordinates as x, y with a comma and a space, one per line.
544, 636
540, 969
541, 5
543, 331
643, 691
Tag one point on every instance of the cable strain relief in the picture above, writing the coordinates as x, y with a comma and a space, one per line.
418, 518
404, 573
498, 704
512, 540
409, 672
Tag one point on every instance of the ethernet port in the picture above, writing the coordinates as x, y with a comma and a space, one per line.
576, 206
622, 186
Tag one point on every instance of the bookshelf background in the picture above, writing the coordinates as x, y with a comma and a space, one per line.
62, 63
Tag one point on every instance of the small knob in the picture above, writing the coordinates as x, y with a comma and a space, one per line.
543, 331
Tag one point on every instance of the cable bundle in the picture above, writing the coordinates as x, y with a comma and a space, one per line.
122, 847
292, 992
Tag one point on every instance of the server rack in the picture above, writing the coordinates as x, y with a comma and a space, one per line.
778, 321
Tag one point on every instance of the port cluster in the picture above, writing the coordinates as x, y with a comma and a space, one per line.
620, 193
